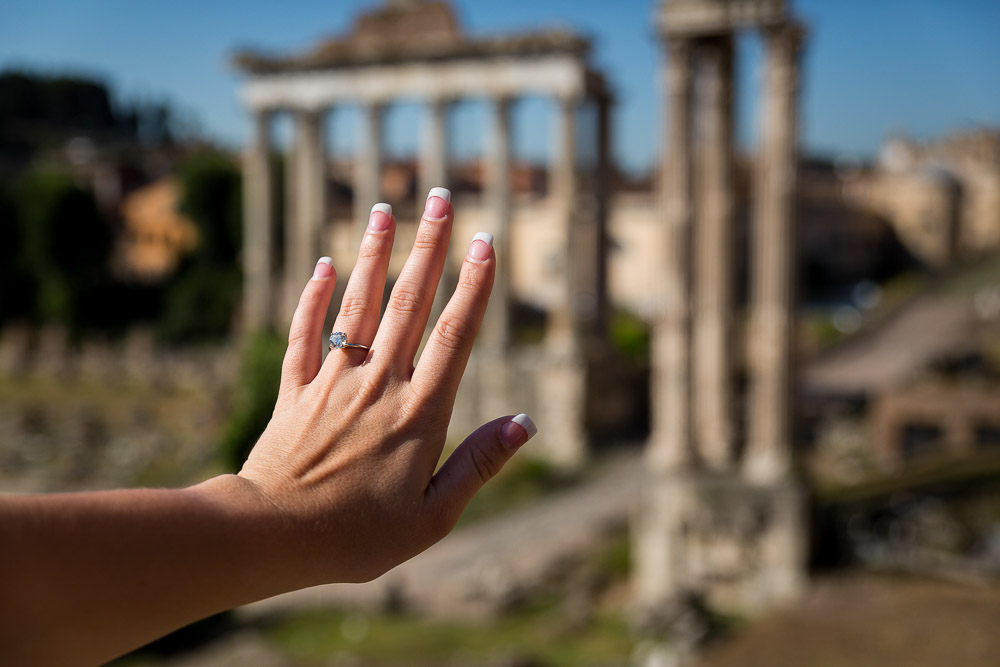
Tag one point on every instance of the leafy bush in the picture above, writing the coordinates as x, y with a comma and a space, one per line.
260, 374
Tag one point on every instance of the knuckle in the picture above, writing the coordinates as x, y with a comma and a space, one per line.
454, 332
473, 277
373, 386
406, 298
371, 248
469, 280
410, 415
297, 334
485, 463
427, 238
354, 306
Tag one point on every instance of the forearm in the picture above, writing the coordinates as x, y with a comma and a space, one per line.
89, 576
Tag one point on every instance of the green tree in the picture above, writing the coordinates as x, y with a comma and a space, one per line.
64, 248
201, 300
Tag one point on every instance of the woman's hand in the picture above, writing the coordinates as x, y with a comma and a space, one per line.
349, 456
340, 487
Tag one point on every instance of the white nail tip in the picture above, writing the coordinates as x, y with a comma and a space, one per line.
486, 238
524, 421
443, 193
382, 208
326, 260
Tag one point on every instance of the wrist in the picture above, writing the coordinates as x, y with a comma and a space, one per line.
267, 540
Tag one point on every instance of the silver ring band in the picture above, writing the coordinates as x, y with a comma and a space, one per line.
338, 341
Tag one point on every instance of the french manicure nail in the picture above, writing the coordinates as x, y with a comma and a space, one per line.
517, 431
480, 248
324, 268
380, 223
437, 203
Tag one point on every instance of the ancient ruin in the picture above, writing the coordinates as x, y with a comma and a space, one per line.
942, 197
409, 50
722, 516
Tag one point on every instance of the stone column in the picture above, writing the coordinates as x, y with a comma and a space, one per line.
561, 334
307, 205
772, 343
434, 146
660, 573
670, 444
433, 173
712, 364
258, 227
494, 363
495, 333
602, 189
367, 166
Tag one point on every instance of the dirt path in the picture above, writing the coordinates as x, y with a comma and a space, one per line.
891, 354
475, 569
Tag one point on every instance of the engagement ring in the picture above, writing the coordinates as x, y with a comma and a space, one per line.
338, 341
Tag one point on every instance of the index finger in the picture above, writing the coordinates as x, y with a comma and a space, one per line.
449, 345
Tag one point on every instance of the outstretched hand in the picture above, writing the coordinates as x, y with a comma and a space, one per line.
340, 487
349, 456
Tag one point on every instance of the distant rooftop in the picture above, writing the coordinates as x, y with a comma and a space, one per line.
406, 31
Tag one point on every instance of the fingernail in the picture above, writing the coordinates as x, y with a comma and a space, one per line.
324, 268
479, 249
380, 218
438, 200
517, 431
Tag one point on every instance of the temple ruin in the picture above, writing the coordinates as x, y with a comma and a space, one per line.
722, 516
414, 50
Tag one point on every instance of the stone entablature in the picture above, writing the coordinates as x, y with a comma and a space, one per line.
693, 18
560, 75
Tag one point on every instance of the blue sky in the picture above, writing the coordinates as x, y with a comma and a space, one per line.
920, 67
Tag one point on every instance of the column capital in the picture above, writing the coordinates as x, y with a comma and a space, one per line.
440, 101
372, 106
788, 38
679, 47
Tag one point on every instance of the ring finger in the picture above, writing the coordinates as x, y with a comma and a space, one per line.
359, 310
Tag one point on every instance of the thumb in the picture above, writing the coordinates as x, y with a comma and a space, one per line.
477, 460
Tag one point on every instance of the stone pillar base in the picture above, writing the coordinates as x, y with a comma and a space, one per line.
741, 546
561, 389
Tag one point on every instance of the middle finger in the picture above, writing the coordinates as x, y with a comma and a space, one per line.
413, 294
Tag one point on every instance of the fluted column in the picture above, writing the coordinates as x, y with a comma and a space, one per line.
670, 444
713, 375
495, 334
307, 205
434, 146
599, 322
561, 334
367, 165
258, 227
433, 172
768, 456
